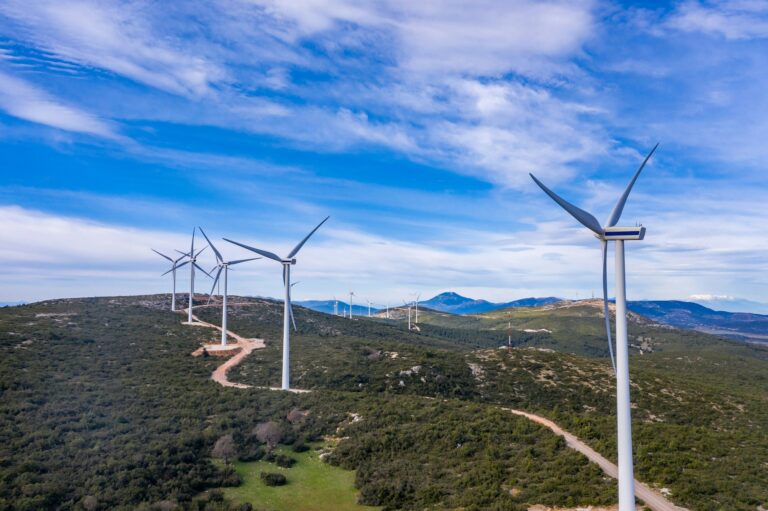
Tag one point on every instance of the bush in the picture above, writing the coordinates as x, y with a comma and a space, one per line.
281, 460
273, 478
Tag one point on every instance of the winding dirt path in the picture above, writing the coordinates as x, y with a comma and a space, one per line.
651, 497
219, 375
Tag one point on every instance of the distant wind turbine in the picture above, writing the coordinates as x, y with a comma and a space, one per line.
174, 266
351, 294
621, 365
193, 260
222, 266
407, 304
287, 262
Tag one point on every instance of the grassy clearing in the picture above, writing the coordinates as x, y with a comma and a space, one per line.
312, 484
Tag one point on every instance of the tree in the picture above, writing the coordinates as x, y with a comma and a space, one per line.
225, 449
269, 433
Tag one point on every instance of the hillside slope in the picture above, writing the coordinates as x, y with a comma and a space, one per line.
738, 325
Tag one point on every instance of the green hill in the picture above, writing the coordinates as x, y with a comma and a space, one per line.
102, 406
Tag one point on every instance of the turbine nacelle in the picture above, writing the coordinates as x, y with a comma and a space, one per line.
288, 261
623, 233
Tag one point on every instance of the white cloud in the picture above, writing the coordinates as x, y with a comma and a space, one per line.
117, 37
44, 256
23, 100
729, 19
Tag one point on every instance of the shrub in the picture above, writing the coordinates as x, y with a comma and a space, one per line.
273, 478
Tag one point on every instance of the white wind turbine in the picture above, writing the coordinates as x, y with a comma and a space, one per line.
193, 264
416, 303
621, 365
407, 304
174, 266
222, 265
287, 262
369, 307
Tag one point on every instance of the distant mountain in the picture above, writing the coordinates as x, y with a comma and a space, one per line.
729, 303
326, 306
693, 316
11, 304
457, 304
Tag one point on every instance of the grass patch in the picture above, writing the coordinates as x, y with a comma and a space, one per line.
312, 484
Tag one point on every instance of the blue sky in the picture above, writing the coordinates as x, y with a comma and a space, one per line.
413, 124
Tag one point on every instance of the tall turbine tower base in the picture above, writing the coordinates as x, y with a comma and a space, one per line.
623, 406
286, 384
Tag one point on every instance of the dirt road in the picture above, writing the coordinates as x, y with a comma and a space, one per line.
219, 375
651, 497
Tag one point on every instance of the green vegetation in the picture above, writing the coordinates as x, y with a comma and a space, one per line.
311, 484
701, 416
103, 408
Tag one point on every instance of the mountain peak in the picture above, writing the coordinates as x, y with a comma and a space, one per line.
455, 303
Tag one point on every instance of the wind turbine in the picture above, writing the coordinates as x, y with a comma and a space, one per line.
351, 294
222, 266
174, 265
418, 295
621, 365
193, 260
335, 306
287, 262
369, 307
406, 304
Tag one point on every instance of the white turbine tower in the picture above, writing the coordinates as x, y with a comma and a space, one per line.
407, 304
351, 294
222, 265
418, 295
193, 260
621, 365
335, 306
174, 266
287, 262
369, 307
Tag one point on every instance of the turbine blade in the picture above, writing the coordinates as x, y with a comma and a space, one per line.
180, 265
613, 219
192, 248
604, 246
290, 310
243, 260
215, 280
161, 255
301, 244
270, 255
166, 273
201, 251
184, 254
584, 218
202, 270
213, 247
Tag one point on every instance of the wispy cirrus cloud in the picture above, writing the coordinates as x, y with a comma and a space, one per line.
116, 37
733, 19
26, 101
236, 65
